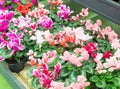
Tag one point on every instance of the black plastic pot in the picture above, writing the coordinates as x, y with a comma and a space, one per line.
16, 67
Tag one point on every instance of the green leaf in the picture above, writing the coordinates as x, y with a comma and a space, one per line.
116, 80
5, 53
35, 82
67, 82
101, 84
83, 72
53, 63
88, 69
14, 5
19, 54
36, 47
64, 72
23, 1
111, 86
94, 78
73, 76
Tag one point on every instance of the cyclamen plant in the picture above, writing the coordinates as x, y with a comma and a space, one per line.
66, 51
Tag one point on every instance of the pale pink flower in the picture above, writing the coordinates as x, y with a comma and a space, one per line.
98, 22
117, 53
84, 54
32, 61
105, 31
57, 85
75, 18
84, 13
94, 27
80, 84
22, 22
98, 58
108, 32
49, 56
31, 54
100, 68
64, 12
80, 35
77, 51
39, 12
71, 58
46, 22
112, 35
115, 43
112, 64
39, 37
82, 81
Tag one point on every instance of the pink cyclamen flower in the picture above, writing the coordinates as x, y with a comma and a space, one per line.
64, 12
98, 57
31, 54
36, 72
112, 64
115, 43
57, 69
71, 58
84, 13
80, 84
57, 85
100, 68
75, 18
2, 2
49, 56
1, 58
46, 22
45, 76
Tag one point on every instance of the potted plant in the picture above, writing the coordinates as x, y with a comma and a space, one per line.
14, 41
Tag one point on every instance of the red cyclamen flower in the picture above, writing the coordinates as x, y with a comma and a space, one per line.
107, 54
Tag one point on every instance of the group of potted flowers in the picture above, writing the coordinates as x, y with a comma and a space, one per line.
66, 50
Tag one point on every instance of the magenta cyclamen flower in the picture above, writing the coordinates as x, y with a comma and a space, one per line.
35, 2
5, 19
15, 1
46, 22
64, 12
14, 41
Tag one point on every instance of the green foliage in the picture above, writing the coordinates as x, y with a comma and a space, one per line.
116, 81
5, 53
101, 84
35, 83
103, 45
